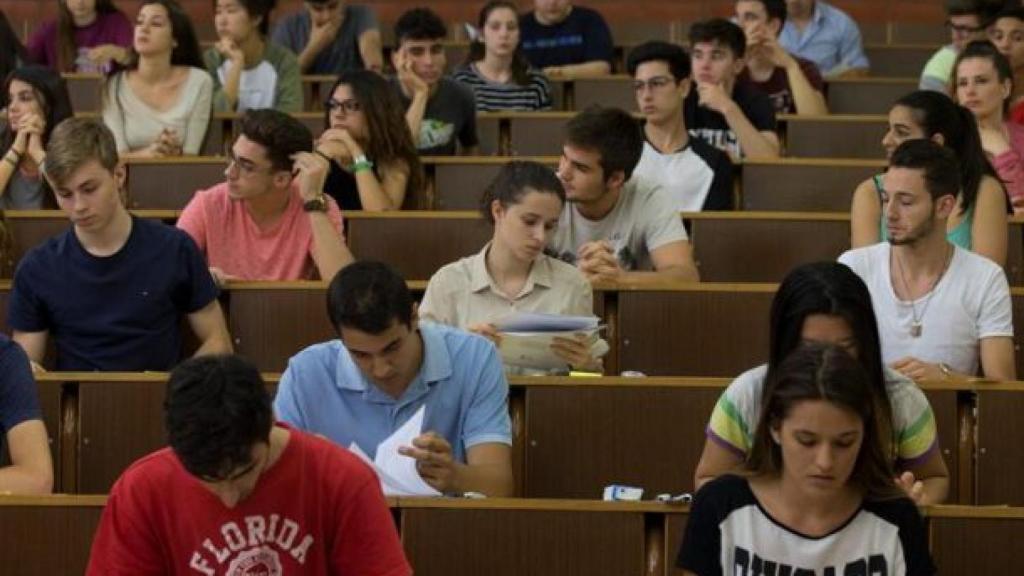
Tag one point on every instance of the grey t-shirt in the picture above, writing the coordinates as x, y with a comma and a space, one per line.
23, 193
343, 54
450, 114
642, 220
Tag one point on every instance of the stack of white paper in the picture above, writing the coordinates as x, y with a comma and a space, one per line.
526, 338
397, 473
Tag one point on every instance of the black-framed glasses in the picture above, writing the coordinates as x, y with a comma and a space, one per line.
347, 106
961, 29
655, 83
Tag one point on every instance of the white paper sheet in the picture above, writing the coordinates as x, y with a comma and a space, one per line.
397, 473
535, 322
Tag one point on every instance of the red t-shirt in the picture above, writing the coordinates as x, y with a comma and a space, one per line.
317, 510
1017, 113
776, 87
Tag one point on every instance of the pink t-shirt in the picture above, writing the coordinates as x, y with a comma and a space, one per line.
1010, 166
231, 241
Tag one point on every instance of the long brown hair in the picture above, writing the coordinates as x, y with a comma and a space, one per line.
520, 65
388, 133
67, 49
825, 372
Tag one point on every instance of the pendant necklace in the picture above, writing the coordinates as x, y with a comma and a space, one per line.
916, 326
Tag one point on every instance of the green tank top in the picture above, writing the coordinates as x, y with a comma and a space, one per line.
960, 236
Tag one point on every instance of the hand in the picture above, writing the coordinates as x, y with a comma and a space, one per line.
554, 72
917, 370
434, 461
598, 262
912, 486
339, 144
104, 53
714, 98
167, 143
32, 124
311, 170
575, 351
20, 144
320, 36
994, 140
411, 83
230, 50
221, 278
486, 330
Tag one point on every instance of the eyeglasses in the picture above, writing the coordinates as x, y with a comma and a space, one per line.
348, 106
244, 166
960, 29
655, 83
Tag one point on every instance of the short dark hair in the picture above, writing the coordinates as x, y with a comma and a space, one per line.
514, 180
658, 51
613, 133
257, 9
775, 9
281, 134
1011, 12
964, 8
721, 31
368, 296
419, 24
217, 408
941, 170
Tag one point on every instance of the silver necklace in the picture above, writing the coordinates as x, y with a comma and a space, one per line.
916, 327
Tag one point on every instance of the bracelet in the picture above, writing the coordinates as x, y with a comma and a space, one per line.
14, 161
324, 156
361, 163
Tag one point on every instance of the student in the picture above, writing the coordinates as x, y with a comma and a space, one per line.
818, 496
1007, 33
944, 311
824, 35
439, 110
237, 493
124, 282
384, 367
727, 114
270, 220
36, 101
826, 302
331, 37
967, 22
248, 71
984, 84
496, 69
512, 273
87, 36
691, 173
566, 41
979, 221
160, 104
374, 164
21, 422
12, 52
616, 228
793, 84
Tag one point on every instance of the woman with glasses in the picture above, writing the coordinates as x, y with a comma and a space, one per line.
496, 70
966, 23
374, 163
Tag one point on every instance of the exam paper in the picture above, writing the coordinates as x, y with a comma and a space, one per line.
536, 322
397, 473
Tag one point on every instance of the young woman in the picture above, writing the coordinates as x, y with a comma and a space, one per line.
160, 104
496, 70
12, 52
983, 82
818, 496
88, 36
248, 71
979, 222
374, 162
36, 101
512, 273
828, 302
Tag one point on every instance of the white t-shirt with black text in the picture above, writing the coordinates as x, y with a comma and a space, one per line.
694, 178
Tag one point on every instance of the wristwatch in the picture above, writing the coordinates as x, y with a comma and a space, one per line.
318, 204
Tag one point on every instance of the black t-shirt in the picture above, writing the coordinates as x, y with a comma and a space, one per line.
711, 126
582, 37
341, 185
728, 532
114, 313
450, 114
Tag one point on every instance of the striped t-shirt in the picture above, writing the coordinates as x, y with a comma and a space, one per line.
734, 419
495, 96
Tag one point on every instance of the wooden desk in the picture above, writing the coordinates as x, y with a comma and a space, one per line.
834, 136
169, 183
84, 91
459, 181
900, 60
866, 95
803, 184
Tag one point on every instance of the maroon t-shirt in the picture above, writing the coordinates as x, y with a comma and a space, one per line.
109, 28
777, 85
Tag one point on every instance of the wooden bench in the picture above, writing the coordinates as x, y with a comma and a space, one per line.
834, 136
866, 95
900, 60
803, 184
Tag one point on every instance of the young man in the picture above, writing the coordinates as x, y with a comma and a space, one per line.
439, 110
826, 36
385, 366
112, 288
271, 219
330, 36
731, 116
616, 228
693, 174
793, 84
1007, 33
21, 423
967, 21
236, 494
566, 41
941, 309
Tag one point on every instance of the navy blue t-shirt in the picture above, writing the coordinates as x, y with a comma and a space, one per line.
582, 37
113, 313
18, 401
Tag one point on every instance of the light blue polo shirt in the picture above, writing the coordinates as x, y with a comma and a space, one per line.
831, 40
461, 383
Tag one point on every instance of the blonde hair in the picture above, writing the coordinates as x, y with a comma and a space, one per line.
73, 143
